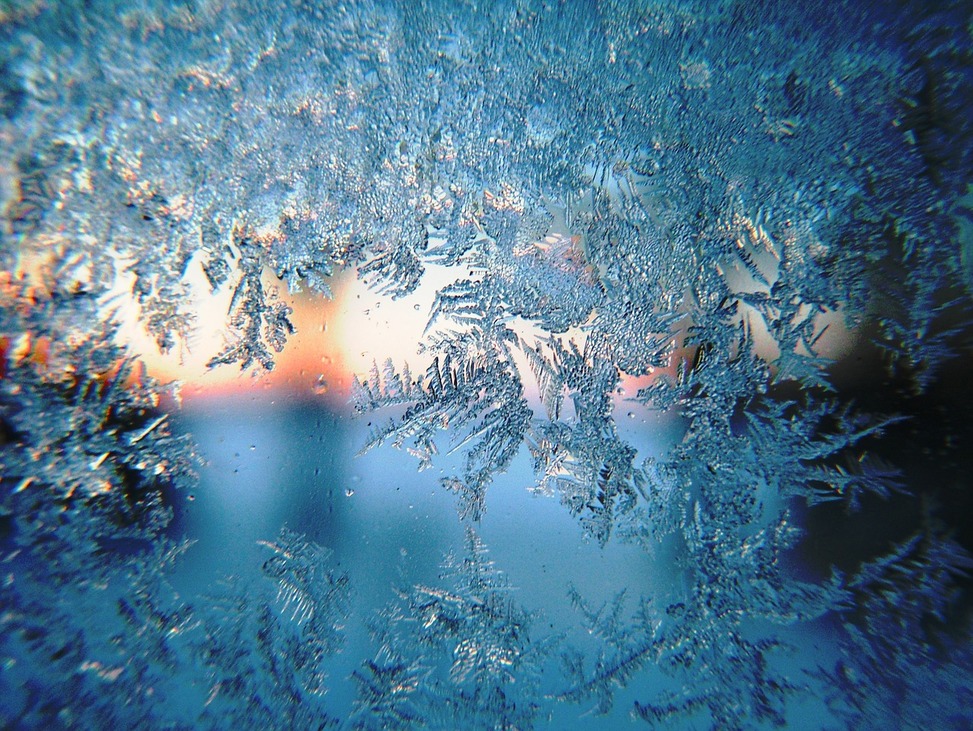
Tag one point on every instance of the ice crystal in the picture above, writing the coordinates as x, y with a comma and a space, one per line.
88, 454
90, 469
674, 198
725, 669
258, 319
480, 396
895, 656
265, 658
458, 655
63, 671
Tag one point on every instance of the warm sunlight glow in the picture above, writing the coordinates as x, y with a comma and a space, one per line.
344, 337
335, 340
311, 363
370, 328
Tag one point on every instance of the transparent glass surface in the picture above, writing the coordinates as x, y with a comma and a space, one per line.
485, 365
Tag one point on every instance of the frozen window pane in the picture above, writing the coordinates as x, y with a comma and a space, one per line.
668, 303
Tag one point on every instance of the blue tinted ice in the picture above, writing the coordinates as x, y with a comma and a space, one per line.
746, 225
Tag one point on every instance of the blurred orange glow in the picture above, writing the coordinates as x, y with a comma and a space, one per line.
310, 366
335, 340
341, 338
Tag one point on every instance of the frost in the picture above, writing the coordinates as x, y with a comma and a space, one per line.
894, 659
825, 463
258, 319
87, 451
90, 463
681, 208
480, 398
266, 658
574, 199
706, 639
458, 655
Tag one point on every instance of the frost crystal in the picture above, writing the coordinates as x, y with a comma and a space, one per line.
681, 208
458, 655
266, 658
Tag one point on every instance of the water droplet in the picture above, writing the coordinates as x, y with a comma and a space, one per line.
321, 385
349, 492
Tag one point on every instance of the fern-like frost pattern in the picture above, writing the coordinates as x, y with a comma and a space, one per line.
699, 212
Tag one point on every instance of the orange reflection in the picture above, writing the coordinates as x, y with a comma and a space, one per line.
312, 364
340, 338
335, 340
